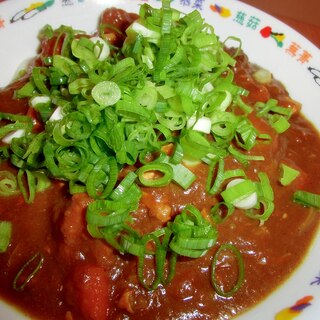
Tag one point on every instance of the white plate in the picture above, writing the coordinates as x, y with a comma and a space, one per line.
268, 42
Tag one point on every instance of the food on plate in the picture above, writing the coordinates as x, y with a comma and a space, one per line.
150, 172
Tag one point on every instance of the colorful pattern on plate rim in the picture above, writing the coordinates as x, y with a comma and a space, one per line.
241, 18
295, 310
252, 22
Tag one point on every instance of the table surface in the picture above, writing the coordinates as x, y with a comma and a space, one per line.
303, 16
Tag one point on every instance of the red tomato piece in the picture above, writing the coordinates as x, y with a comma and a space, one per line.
91, 287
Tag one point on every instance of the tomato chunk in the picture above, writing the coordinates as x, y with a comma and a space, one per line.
116, 21
90, 292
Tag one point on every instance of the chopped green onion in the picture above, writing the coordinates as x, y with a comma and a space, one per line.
124, 186
229, 174
202, 124
213, 189
18, 123
66, 65
28, 271
5, 235
42, 181
27, 189
264, 188
288, 174
195, 145
103, 213
238, 191
158, 261
306, 198
8, 184
106, 93
193, 236
26, 90
276, 115
244, 158
246, 134
263, 76
279, 123
240, 278
132, 245
218, 215
256, 214
182, 175
155, 174
39, 79
265, 108
235, 39
166, 278
177, 155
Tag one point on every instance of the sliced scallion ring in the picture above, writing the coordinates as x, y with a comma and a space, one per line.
28, 271
106, 93
215, 283
155, 174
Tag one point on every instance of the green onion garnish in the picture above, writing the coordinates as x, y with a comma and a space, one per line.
227, 247
155, 174
288, 174
5, 235
238, 191
277, 116
8, 184
307, 199
28, 271
193, 236
106, 93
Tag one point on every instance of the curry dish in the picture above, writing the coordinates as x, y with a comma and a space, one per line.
153, 245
